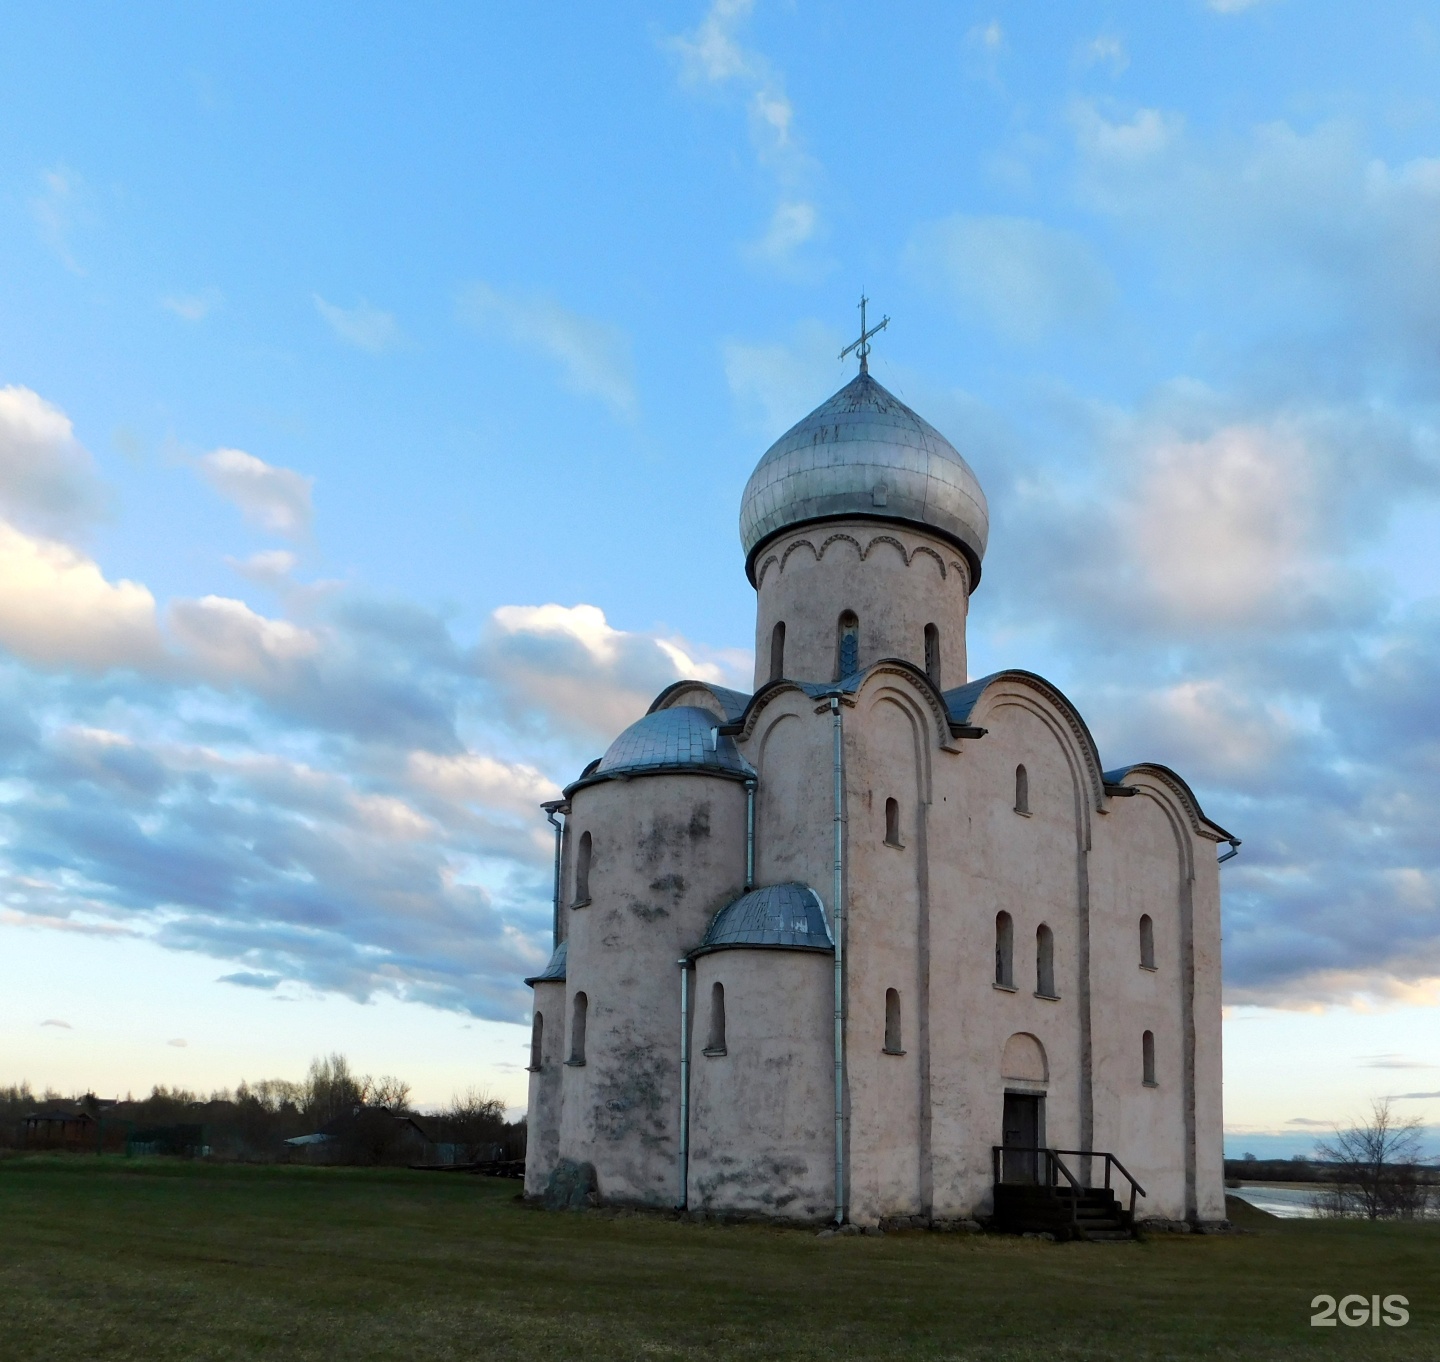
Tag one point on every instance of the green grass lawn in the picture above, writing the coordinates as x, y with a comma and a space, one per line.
108, 1258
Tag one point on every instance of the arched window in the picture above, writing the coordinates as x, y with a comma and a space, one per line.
537, 1042
777, 652
892, 822
1045, 962
1004, 950
1147, 942
578, 1009
848, 658
1147, 1050
892, 1023
1022, 790
932, 654
716, 1044
582, 871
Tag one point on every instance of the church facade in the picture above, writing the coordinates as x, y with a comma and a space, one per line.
874, 939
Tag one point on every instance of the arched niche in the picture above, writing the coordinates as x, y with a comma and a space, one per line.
1024, 1059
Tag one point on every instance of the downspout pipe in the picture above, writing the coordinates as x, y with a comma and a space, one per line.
682, 1198
838, 912
550, 811
749, 835
1232, 853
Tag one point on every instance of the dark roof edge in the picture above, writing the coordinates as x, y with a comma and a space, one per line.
1117, 778
757, 946
714, 772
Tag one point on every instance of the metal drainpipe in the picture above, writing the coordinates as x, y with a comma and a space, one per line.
555, 918
838, 899
683, 1200
749, 835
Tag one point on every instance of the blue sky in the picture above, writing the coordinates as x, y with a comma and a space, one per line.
378, 391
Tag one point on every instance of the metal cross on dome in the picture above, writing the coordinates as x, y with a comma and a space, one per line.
862, 346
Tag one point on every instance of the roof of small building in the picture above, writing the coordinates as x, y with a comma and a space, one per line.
685, 738
554, 972
780, 916
865, 453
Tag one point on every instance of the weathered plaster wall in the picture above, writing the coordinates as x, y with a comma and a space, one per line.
887, 757
986, 858
761, 1134
668, 853
542, 1145
895, 579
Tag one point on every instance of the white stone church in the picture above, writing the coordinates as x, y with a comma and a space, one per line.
878, 943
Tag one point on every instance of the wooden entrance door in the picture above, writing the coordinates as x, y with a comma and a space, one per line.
1021, 1133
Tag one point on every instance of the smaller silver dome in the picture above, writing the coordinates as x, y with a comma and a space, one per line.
782, 916
554, 972
681, 739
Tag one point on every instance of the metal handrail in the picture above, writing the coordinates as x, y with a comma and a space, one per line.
1053, 1161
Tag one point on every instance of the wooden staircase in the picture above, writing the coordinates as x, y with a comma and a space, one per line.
1036, 1192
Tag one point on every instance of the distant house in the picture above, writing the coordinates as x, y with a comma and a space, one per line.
58, 1130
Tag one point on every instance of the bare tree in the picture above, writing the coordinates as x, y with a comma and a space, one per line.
475, 1122
1375, 1168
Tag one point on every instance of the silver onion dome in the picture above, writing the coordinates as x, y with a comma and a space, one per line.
865, 453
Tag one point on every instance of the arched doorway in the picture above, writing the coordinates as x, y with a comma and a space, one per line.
1025, 1071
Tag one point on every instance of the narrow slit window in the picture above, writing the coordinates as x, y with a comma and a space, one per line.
1147, 942
1147, 1052
1045, 962
715, 1045
892, 822
537, 1042
932, 654
893, 1036
1004, 950
777, 652
582, 870
1022, 790
579, 1008
848, 662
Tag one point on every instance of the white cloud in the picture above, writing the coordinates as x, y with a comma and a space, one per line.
713, 56
776, 384
363, 326
989, 36
1232, 6
475, 778
274, 498
193, 307
57, 608
46, 476
792, 225
270, 567
568, 670
1026, 279
594, 356
1105, 50
228, 642
54, 209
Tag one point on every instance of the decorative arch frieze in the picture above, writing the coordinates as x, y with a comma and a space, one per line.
836, 538
1022, 687
797, 544
907, 701
905, 554
921, 692
908, 555
940, 562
